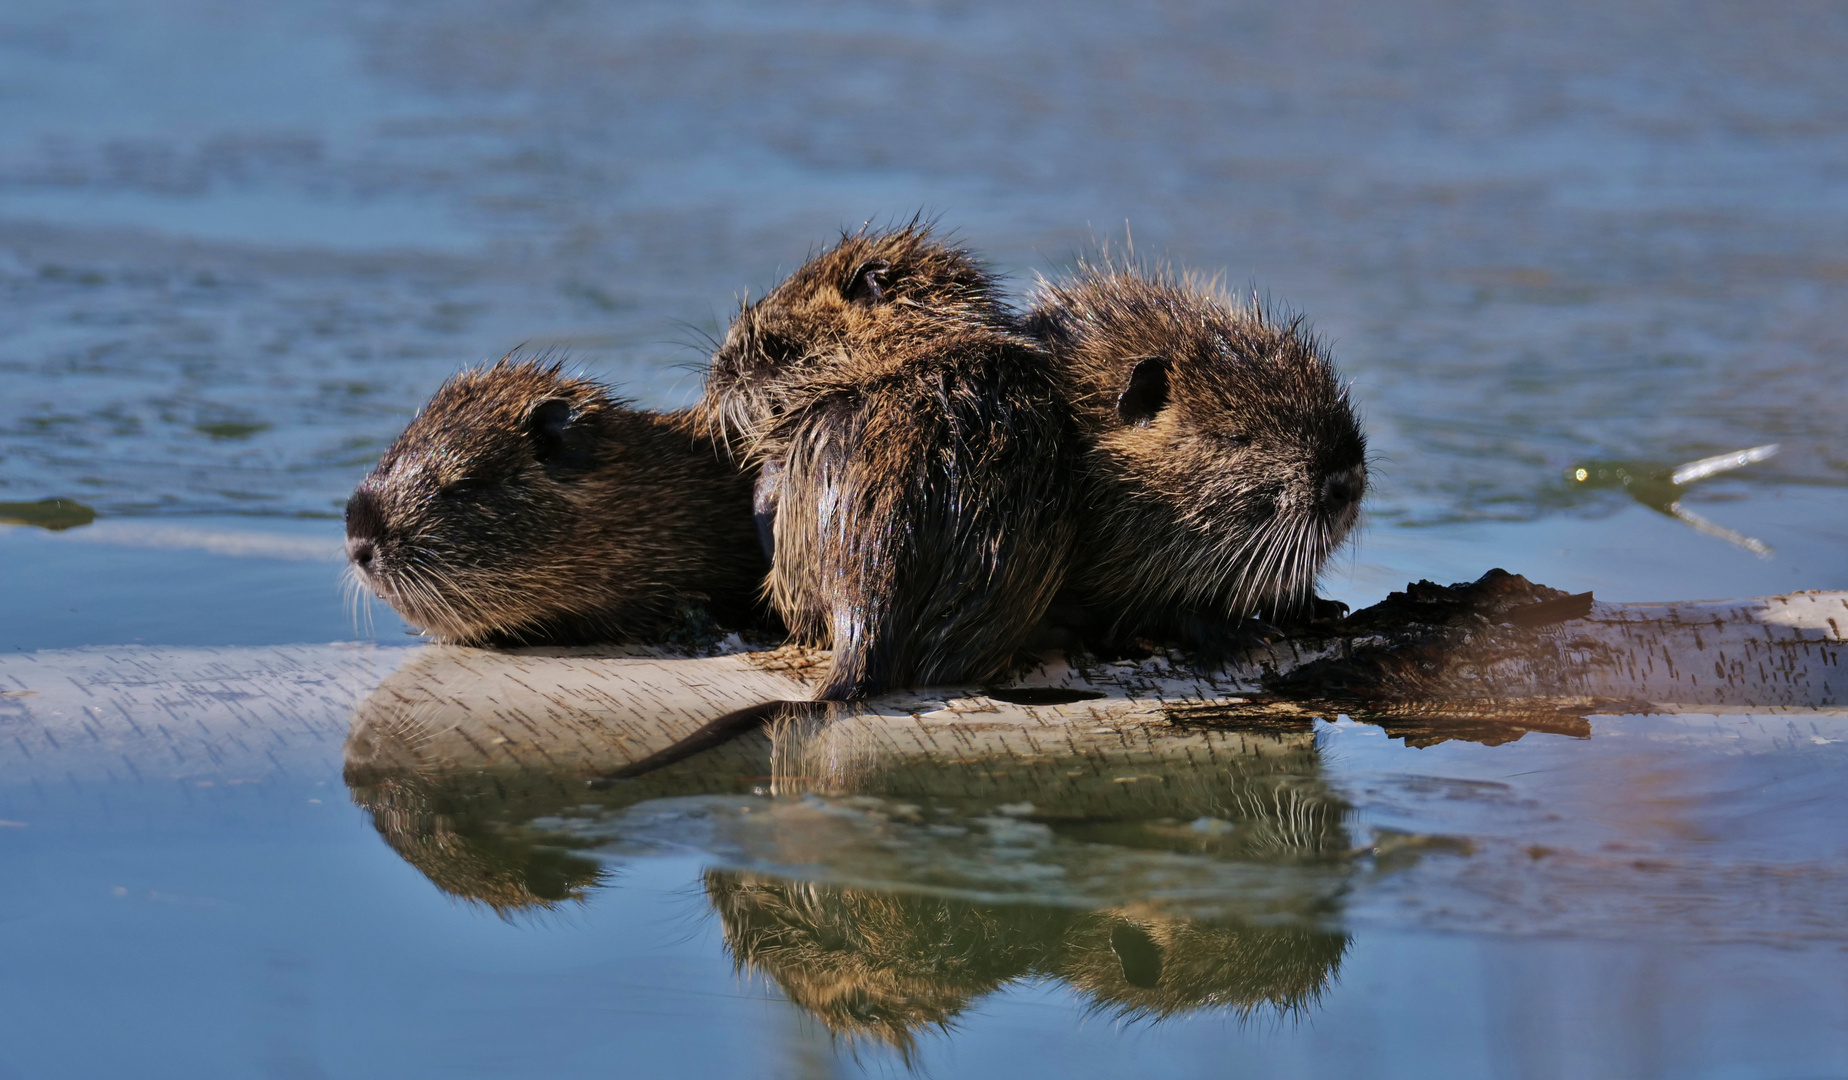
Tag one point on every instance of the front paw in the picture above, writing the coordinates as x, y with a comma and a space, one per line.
1316, 614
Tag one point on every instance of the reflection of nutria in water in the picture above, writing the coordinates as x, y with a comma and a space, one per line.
526, 506
873, 964
886, 965
1222, 460
915, 476
1158, 966
455, 837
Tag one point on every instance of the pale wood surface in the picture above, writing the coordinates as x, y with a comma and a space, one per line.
97, 715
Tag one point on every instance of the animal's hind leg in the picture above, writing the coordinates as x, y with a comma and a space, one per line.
864, 542
872, 518
838, 537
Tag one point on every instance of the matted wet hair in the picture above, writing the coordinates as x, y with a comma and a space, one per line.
914, 484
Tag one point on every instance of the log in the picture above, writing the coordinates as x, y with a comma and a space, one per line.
1484, 661
1488, 660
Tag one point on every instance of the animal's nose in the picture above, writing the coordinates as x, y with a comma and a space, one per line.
1342, 490
365, 519
361, 552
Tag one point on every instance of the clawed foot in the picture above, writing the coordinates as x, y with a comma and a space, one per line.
1318, 612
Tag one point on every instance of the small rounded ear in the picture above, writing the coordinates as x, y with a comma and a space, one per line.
1146, 394
558, 439
867, 286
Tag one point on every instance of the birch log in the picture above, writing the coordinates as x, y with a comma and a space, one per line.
1488, 660
1435, 661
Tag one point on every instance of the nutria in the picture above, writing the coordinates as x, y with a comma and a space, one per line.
524, 506
1223, 462
915, 467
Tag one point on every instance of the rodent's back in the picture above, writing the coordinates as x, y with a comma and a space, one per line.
525, 506
940, 491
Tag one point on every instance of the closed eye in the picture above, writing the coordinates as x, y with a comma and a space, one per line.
1233, 438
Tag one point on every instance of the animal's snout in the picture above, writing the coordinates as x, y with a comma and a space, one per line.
365, 519
365, 528
1342, 490
361, 552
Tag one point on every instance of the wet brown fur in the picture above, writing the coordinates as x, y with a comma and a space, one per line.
913, 460
524, 506
1223, 462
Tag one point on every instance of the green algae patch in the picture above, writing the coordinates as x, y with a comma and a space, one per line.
54, 514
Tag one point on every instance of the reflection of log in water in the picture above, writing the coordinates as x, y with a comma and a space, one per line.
919, 798
455, 752
1236, 796
893, 866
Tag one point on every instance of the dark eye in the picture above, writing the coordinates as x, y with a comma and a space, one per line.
1233, 438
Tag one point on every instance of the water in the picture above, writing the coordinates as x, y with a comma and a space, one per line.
240, 244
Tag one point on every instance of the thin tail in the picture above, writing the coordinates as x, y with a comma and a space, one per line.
733, 725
